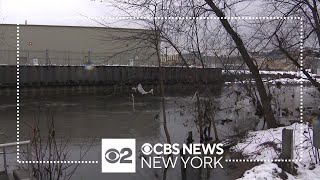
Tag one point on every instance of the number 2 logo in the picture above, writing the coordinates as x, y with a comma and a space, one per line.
113, 155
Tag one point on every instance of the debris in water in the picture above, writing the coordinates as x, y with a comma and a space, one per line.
140, 89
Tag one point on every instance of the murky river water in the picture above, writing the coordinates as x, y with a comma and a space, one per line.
83, 120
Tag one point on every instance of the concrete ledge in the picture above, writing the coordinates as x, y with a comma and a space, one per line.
105, 75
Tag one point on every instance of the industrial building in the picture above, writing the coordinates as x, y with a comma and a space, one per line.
76, 45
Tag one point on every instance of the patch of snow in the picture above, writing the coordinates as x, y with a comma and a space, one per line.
267, 171
296, 73
289, 81
274, 81
257, 145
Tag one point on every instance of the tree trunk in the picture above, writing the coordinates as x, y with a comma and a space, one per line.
165, 128
265, 98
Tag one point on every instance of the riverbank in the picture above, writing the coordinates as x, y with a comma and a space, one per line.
265, 146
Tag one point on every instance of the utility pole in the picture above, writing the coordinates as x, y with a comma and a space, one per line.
166, 54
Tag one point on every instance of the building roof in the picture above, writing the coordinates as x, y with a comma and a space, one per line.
72, 26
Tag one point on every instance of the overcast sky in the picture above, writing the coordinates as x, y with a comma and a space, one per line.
70, 12
59, 12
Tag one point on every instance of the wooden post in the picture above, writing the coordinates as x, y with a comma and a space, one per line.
132, 96
5, 160
316, 133
316, 138
287, 149
287, 144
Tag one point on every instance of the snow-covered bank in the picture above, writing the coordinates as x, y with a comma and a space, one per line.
265, 146
261, 72
285, 81
294, 73
298, 77
266, 171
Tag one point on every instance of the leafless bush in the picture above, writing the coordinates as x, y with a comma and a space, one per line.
49, 152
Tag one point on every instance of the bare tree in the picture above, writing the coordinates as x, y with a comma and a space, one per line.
173, 29
49, 151
265, 97
308, 11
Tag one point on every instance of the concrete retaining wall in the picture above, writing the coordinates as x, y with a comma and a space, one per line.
104, 75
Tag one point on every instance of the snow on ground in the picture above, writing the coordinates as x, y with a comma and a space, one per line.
295, 73
286, 81
300, 77
261, 72
267, 171
266, 145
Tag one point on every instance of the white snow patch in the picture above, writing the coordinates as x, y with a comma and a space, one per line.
267, 171
255, 146
274, 81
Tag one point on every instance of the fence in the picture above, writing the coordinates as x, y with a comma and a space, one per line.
13, 144
67, 57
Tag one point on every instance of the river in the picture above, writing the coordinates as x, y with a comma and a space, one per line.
82, 120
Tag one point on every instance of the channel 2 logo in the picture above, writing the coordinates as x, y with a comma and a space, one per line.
118, 155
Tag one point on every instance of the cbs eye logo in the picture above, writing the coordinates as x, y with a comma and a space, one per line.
113, 155
118, 155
